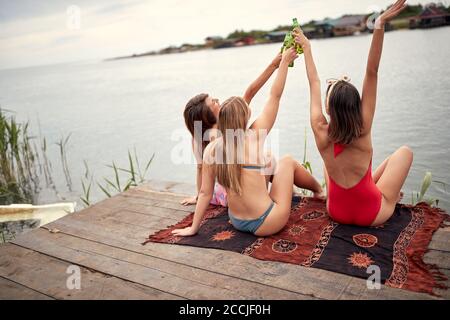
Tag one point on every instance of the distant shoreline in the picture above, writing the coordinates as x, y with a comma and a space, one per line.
414, 17
250, 45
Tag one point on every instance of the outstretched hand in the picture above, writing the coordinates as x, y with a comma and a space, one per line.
189, 201
188, 231
301, 39
289, 55
390, 13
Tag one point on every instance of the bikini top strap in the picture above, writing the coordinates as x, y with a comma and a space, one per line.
249, 167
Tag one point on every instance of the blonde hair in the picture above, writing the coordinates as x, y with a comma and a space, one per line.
234, 115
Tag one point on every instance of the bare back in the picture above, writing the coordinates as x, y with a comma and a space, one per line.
255, 198
351, 165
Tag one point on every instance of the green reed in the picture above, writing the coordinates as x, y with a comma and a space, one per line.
307, 165
62, 144
427, 181
19, 180
24, 162
134, 175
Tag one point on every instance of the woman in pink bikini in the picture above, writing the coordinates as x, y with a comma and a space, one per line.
355, 196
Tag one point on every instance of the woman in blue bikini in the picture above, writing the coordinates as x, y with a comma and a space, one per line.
244, 174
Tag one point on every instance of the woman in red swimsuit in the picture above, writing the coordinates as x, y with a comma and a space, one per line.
355, 195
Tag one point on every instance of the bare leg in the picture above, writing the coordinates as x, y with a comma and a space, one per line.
379, 171
303, 179
391, 181
288, 172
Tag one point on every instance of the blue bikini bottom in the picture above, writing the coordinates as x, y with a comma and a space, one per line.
249, 225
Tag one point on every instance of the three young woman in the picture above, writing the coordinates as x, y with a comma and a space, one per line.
355, 195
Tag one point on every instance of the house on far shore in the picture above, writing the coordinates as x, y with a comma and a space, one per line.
276, 36
211, 41
322, 29
310, 32
318, 30
431, 16
346, 25
245, 41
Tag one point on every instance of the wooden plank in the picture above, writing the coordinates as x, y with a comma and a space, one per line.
171, 277
10, 290
440, 240
439, 258
155, 200
155, 195
136, 219
130, 205
442, 292
180, 188
308, 281
48, 276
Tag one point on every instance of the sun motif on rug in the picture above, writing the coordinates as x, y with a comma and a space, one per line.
223, 235
365, 240
296, 230
360, 260
284, 246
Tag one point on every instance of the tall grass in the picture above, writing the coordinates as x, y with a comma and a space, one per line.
62, 144
19, 180
307, 165
24, 162
122, 178
25, 166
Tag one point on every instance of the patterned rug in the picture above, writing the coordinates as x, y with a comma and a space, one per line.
312, 239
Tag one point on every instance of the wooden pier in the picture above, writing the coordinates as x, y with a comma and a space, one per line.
104, 241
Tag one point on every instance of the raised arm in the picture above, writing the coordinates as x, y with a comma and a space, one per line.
267, 117
204, 197
318, 120
369, 92
256, 85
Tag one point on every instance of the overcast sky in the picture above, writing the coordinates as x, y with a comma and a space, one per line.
47, 31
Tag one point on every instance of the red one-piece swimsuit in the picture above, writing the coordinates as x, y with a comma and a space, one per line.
358, 205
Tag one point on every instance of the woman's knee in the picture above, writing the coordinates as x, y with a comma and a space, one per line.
287, 159
407, 153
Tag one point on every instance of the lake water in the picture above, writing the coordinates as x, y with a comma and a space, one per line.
110, 107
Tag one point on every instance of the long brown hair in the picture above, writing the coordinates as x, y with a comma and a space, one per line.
344, 104
197, 110
233, 117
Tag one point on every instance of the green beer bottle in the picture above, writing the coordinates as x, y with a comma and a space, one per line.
289, 40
